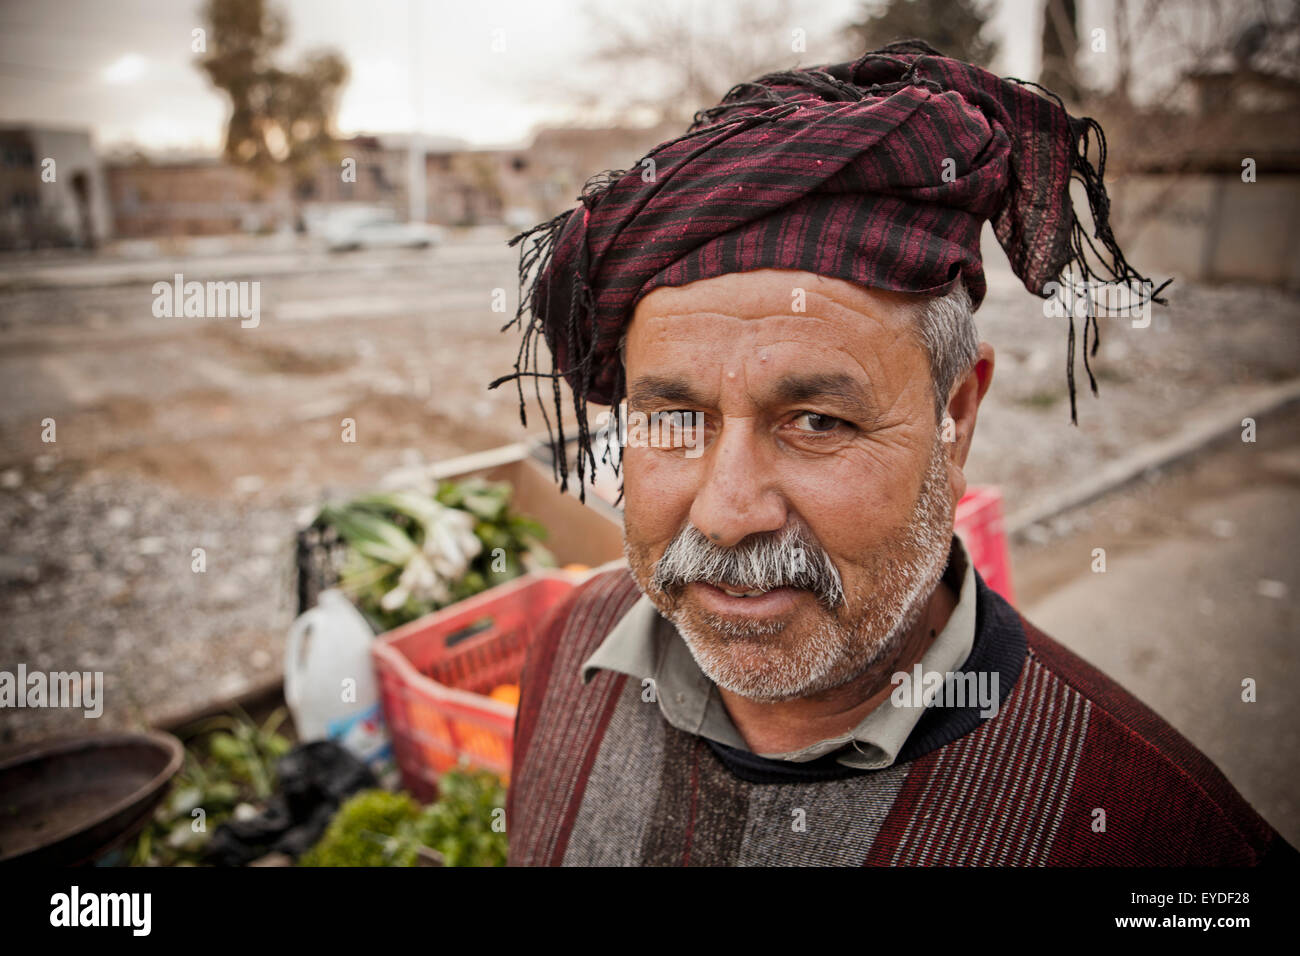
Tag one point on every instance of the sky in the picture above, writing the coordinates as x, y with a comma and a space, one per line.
125, 68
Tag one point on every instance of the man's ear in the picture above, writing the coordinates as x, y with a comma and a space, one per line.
963, 406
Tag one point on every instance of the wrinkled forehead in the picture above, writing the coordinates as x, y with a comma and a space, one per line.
783, 320
771, 292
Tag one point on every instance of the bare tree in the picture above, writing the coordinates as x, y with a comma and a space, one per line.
663, 61
1162, 42
1060, 46
1197, 74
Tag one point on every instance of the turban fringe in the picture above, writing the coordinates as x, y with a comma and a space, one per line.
880, 172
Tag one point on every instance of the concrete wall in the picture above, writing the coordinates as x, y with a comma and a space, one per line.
1211, 228
74, 155
202, 198
56, 212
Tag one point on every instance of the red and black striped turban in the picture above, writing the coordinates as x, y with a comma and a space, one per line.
880, 172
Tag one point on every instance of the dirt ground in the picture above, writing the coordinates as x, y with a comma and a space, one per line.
184, 433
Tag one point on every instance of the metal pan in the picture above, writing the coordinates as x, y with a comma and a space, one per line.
69, 801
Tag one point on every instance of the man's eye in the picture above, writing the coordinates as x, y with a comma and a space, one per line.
673, 428
818, 423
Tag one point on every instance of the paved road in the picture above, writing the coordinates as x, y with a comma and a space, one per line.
1199, 594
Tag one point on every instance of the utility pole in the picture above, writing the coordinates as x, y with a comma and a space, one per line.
417, 208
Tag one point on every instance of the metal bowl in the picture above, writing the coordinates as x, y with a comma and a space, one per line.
69, 801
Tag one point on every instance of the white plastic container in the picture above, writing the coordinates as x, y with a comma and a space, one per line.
329, 679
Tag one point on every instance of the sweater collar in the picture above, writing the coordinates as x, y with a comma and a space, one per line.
1000, 649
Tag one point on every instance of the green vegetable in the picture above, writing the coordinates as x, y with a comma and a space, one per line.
229, 760
412, 552
365, 832
465, 826
467, 822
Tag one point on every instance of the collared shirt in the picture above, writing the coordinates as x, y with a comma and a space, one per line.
647, 647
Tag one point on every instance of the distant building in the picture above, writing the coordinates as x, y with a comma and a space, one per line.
364, 169
519, 187
205, 195
465, 186
193, 197
562, 159
1210, 193
52, 189
516, 187
1219, 88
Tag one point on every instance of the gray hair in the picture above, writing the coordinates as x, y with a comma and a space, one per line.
945, 328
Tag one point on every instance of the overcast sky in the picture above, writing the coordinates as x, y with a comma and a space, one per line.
124, 68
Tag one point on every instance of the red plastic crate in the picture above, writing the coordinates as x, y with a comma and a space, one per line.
979, 522
435, 673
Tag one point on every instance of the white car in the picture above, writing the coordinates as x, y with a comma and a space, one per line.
382, 234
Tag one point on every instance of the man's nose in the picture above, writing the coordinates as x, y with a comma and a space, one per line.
739, 496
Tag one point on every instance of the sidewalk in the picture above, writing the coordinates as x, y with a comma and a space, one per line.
224, 258
1199, 593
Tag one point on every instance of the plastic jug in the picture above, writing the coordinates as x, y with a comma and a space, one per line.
329, 679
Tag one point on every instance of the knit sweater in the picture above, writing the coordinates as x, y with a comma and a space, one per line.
1071, 771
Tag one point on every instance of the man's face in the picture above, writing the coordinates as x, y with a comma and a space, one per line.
819, 484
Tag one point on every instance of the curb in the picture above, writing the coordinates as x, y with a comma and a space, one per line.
1188, 440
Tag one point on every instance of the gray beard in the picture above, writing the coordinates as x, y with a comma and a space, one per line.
845, 643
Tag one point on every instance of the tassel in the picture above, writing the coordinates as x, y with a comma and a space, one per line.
536, 253
534, 258
1117, 268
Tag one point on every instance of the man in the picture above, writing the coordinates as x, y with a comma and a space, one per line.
799, 665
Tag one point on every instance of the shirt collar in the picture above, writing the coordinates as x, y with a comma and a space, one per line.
646, 646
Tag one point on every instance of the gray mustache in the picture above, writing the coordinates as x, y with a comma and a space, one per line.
786, 558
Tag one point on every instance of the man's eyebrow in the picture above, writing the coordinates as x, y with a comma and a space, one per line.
651, 388
791, 389
837, 386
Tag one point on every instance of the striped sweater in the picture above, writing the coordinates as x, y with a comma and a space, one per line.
1071, 771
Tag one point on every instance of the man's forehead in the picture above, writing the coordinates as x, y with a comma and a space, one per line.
768, 292
769, 322
843, 346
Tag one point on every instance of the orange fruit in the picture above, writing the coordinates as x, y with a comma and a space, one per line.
506, 694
